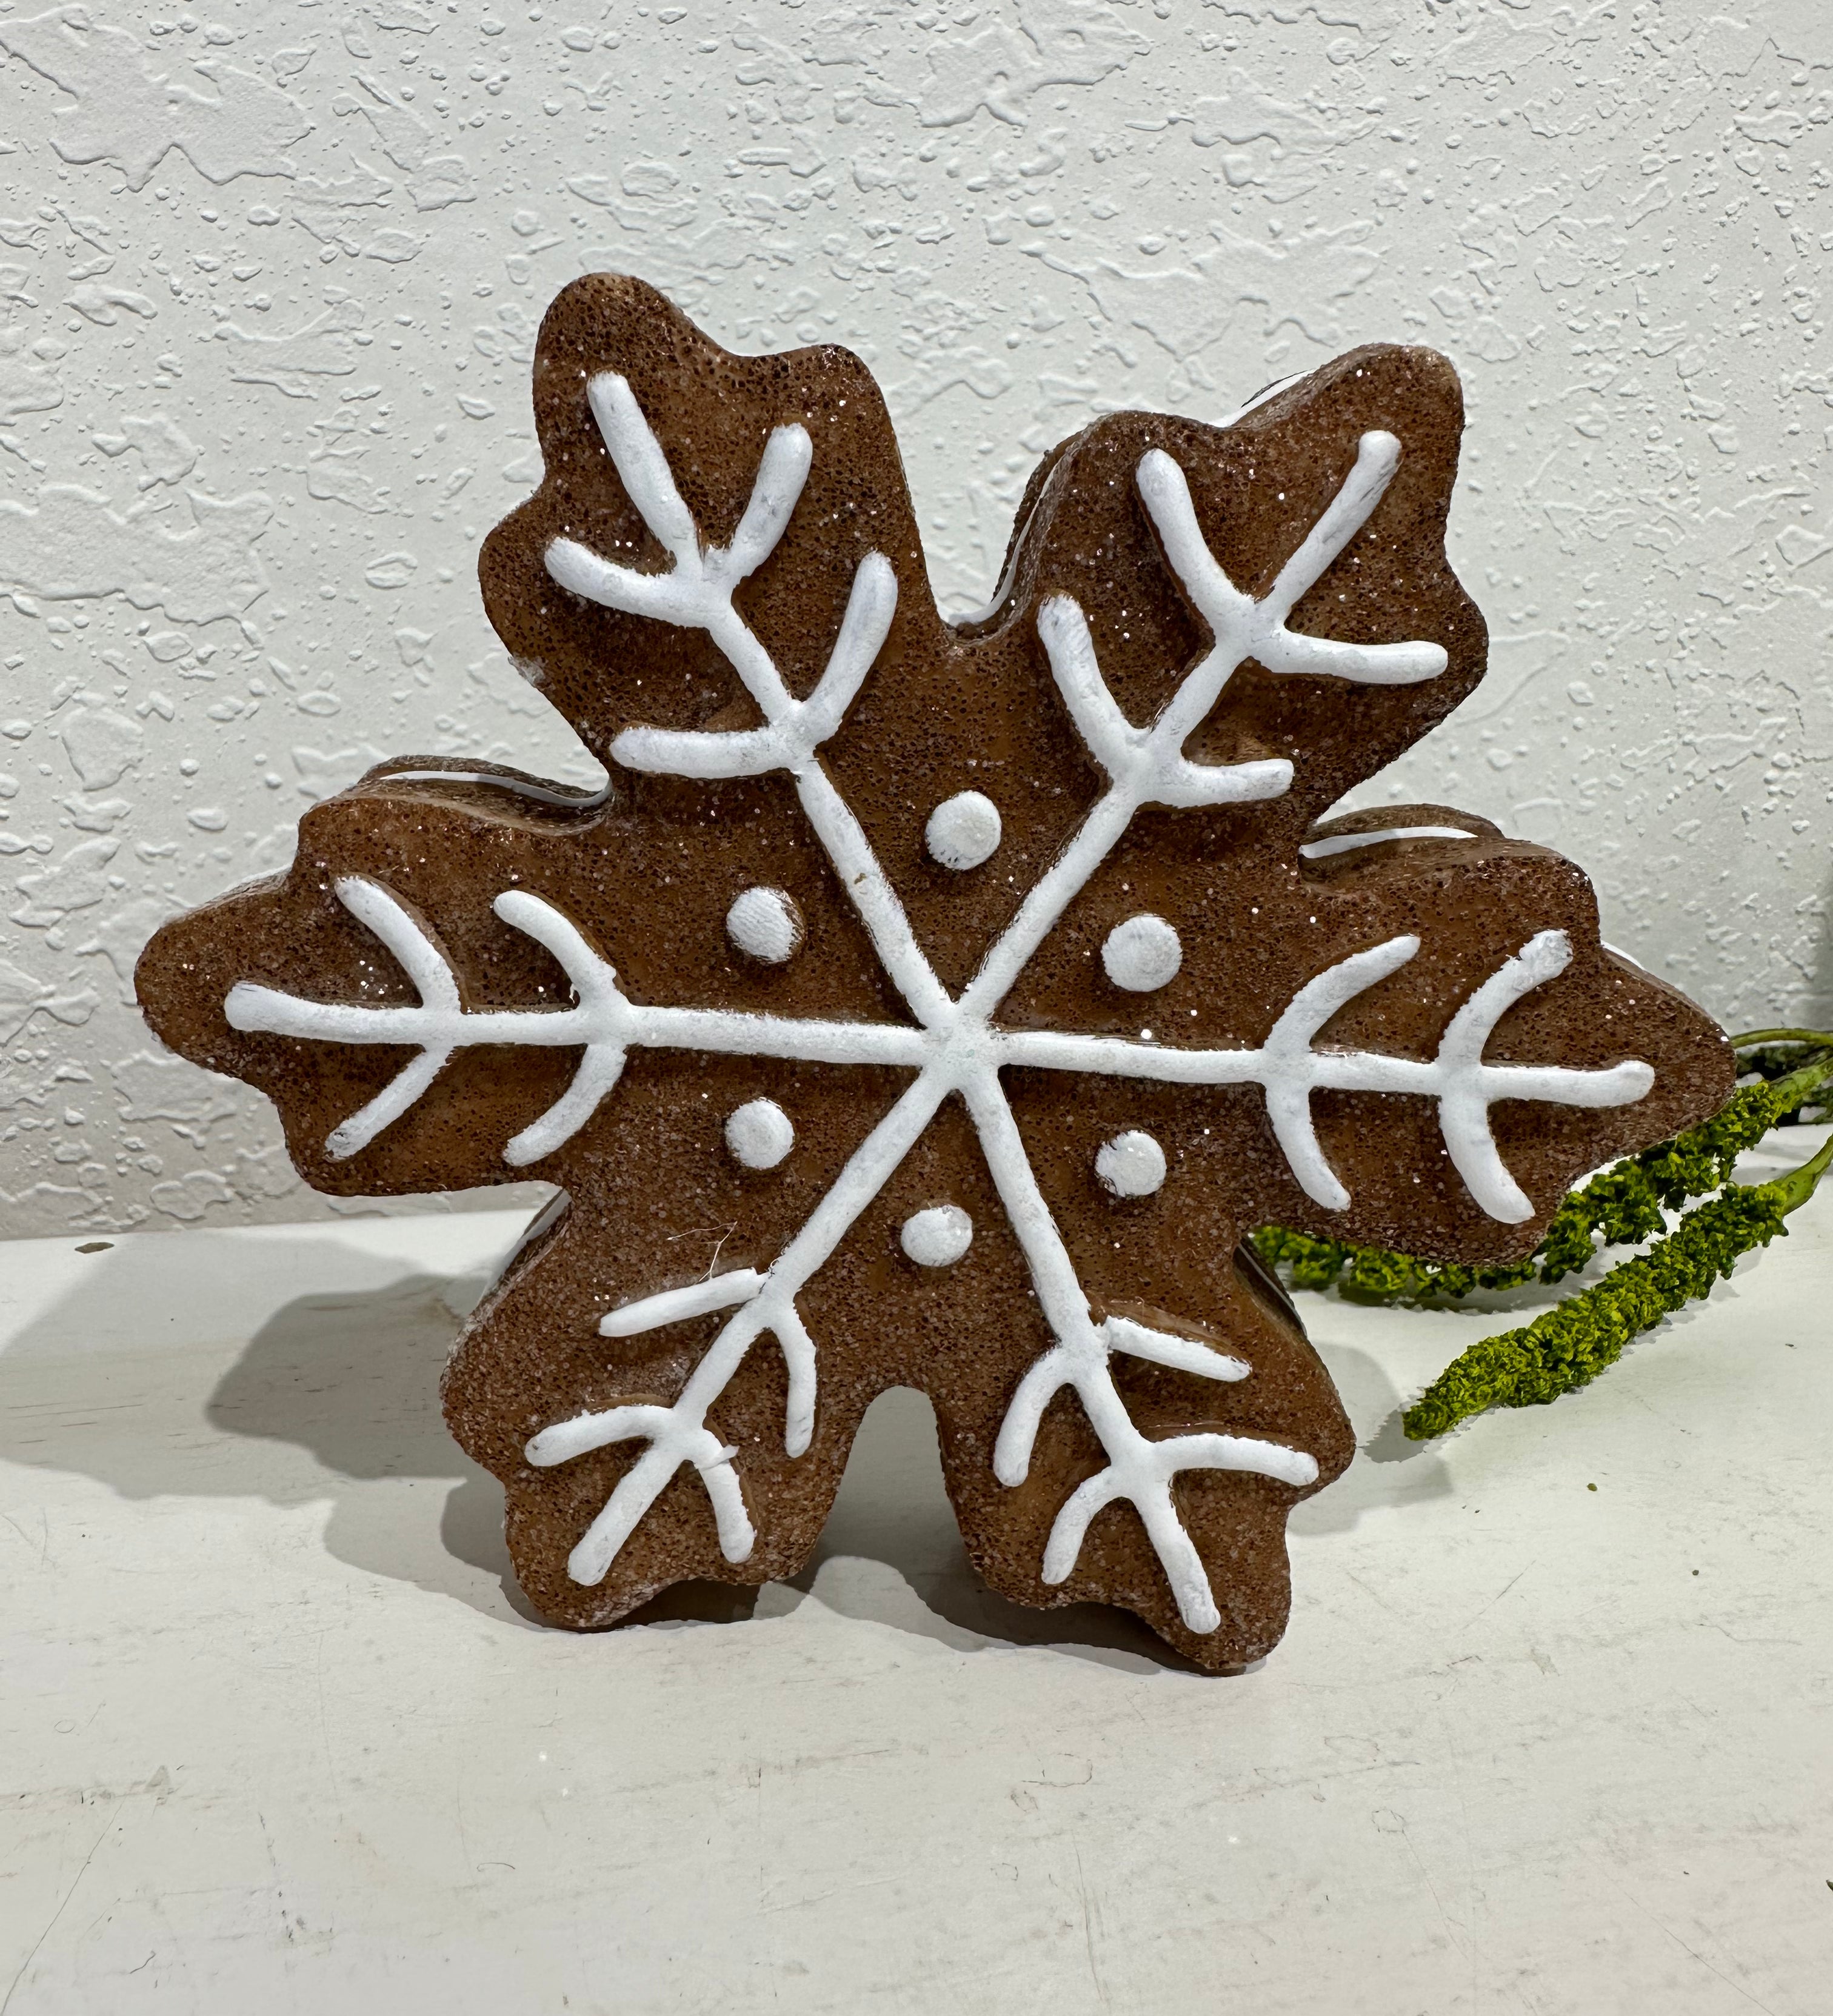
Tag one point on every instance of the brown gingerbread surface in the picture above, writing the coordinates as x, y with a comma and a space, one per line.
940, 1006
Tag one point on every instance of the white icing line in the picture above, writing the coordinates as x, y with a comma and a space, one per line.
1291, 1070
1464, 1115
432, 974
1182, 1353
1142, 1475
602, 1018
1258, 628
671, 1443
1346, 843
1290, 1066
677, 1305
1139, 1470
788, 743
606, 1025
954, 1049
599, 1071
787, 458
1146, 765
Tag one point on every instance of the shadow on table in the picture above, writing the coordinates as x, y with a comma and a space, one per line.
336, 1397
1388, 1470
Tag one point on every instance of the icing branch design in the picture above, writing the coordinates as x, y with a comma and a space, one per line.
952, 1043
607, 1022
696, 594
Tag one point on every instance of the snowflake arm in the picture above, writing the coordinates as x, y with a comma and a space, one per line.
432, 975
1142, 1473
1290, 1069
1143, 762
1147, 766
790, 742
642, 467
1138, 1468
671, 1442
696, 593
1470, 1085
701, 594
678, 1433
1057, 1367
604, 1022
1243, 627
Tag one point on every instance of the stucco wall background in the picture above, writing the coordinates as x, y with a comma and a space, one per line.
268, 281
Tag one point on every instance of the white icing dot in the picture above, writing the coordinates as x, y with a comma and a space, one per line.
766, 923
760, 1134
963, 831
1141, 954
1132, 1164
937, 1237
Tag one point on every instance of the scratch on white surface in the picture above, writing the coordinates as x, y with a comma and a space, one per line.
1668, 1932
1456, 1932
41, 1546
62, 1905
325, 1722
1497, 1597
1090, 1919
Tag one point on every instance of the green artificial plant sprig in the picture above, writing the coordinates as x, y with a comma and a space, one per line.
1568, 1347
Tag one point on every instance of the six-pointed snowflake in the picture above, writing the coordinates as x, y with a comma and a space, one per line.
961, 1041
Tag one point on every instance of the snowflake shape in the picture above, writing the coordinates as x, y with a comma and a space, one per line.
924, 1038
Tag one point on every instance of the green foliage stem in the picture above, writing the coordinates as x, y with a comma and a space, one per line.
1569, 1346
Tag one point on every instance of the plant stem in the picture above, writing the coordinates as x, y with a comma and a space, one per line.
1568, 1347
1794, 1190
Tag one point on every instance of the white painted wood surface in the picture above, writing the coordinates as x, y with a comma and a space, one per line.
275, 1735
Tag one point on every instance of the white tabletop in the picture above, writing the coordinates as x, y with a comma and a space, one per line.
275, 1735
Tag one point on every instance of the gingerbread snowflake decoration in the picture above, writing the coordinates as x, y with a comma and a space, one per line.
940, 1004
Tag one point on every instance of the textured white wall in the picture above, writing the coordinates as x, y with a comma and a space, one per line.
268, 280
